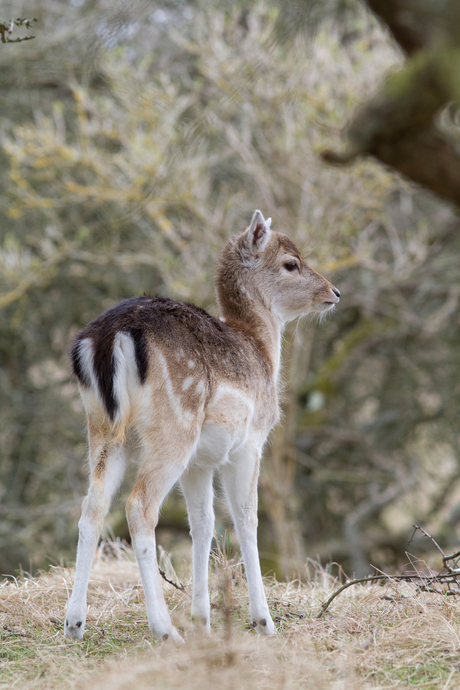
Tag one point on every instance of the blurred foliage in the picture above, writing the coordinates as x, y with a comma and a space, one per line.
134, 140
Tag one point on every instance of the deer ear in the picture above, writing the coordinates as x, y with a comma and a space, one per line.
256, 237
258, 232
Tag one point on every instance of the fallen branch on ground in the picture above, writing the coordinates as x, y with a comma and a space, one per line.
424, 582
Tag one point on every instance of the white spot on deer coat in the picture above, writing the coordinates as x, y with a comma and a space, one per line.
187, 383
200, 387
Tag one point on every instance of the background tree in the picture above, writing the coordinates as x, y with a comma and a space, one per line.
398, 125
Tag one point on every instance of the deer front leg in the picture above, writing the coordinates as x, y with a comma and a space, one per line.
108, 467
239, 479
197, 489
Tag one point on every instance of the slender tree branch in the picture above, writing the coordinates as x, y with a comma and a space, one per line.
7, 29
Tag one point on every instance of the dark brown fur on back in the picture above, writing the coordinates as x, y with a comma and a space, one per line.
173, 324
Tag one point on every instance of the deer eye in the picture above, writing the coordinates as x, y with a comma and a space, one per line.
291, 266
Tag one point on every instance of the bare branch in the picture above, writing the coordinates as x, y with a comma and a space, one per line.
179, 586
424, 582
7, 29
416, 527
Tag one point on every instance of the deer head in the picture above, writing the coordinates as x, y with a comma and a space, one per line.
260, 268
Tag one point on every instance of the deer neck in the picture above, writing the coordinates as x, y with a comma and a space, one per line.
253, 318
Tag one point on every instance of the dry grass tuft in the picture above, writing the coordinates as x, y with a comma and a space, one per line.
373, 636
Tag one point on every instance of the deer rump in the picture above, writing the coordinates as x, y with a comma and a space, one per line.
113, 354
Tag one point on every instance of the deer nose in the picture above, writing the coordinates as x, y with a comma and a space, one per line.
336, 292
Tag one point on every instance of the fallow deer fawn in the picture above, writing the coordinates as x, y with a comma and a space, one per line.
197, 394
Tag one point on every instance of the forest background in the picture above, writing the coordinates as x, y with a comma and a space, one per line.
135, 138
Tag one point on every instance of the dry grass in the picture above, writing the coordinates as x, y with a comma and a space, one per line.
372, 636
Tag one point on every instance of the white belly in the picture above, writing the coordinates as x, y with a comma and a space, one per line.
226, 429
214, 445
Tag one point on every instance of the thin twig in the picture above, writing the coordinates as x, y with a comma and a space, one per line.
445, 559
452, 557
179, 586
416, 527
424, 582
370, 578
7, 29
11, 633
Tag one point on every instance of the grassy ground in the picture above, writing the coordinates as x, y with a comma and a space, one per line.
371, 637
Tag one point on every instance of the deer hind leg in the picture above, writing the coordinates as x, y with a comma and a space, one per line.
161, 468
198, 492
239, 479
107, 467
